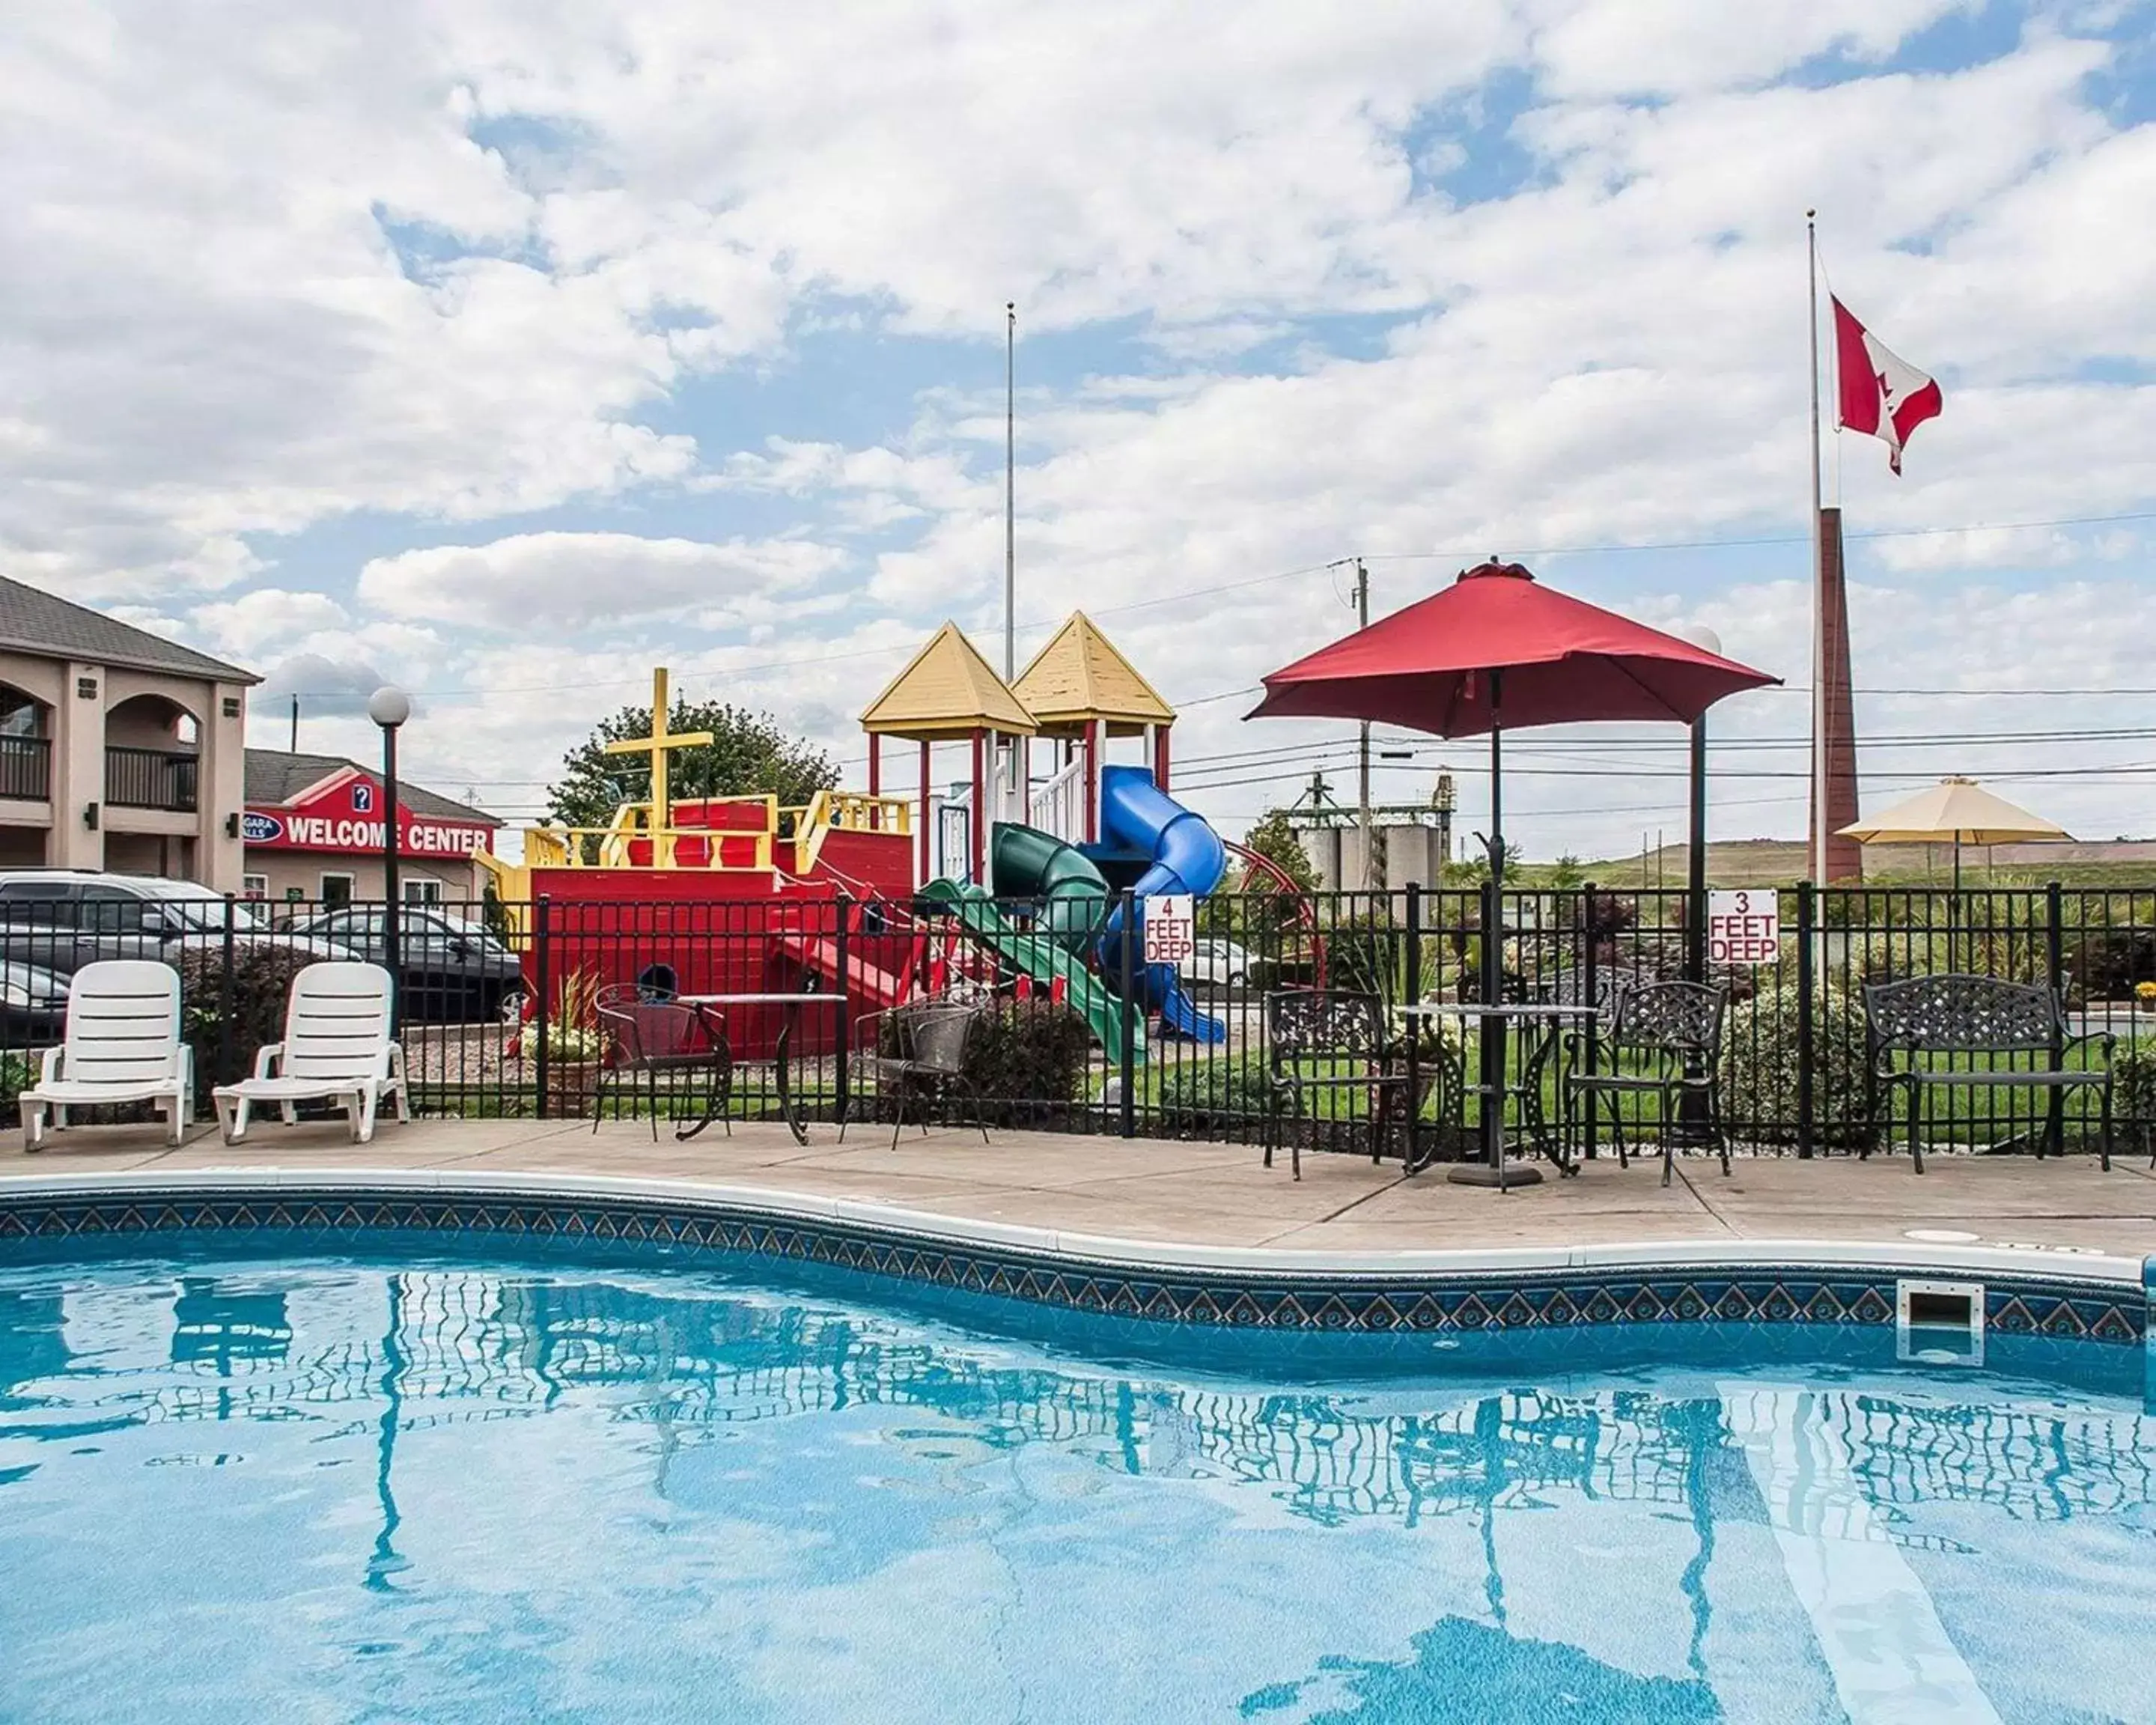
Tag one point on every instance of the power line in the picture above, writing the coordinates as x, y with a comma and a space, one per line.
1554, 550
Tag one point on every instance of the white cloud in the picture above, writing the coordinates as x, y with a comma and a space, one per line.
523, 270
540, 582
265, 616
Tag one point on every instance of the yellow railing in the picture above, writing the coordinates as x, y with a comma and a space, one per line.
608, 847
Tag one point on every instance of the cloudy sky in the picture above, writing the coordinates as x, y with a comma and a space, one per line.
503, 350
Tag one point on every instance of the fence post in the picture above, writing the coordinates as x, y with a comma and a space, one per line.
1806, 910
1130, 1098
1411, 993
541, 988
2055, 958
846, 905
1589, 998
225, 1075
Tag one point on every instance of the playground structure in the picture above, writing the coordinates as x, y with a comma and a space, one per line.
1006, 880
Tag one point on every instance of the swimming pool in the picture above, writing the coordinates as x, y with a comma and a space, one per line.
406, 1483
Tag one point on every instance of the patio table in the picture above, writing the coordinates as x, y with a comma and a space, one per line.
1537, 1024
793, 1003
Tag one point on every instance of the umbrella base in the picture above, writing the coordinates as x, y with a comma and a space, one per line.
1480, 1173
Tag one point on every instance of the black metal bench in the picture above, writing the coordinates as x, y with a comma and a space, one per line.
1909, 1022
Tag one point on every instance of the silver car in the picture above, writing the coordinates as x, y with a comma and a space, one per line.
1217, 963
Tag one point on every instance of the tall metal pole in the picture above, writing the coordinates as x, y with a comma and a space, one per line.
1010, 489
389, 708
1007, 768
392, 954
1363, 766
1696, 861
1819, 573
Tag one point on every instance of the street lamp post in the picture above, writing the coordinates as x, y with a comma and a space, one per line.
389, 707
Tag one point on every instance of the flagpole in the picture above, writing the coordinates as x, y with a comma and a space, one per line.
1819, 577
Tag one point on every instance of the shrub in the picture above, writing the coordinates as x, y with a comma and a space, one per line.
2108, 963
574, 1036
1363, 954
1206, 1097
1028, 1059
1028, 1053
262, 975
1760, 1068
1602, 917
18, 1071
2133, 1084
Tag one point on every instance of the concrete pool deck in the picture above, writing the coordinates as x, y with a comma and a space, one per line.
1209, 1194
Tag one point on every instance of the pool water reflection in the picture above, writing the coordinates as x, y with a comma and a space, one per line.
330, 1489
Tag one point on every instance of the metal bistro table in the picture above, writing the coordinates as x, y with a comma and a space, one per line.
794, 1003
1539, 1023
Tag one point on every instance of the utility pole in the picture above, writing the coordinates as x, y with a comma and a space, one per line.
1362, 786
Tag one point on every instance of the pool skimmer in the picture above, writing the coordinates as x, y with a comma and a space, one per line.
1938, 1323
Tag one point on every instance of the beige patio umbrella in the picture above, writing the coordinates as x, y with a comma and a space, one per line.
1955, 810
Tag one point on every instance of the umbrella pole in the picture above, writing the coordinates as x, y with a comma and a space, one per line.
1953, 901
1491, 1171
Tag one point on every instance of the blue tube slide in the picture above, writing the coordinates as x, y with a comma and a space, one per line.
1136, 816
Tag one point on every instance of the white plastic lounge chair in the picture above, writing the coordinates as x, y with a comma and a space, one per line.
122, 1046
336, 1048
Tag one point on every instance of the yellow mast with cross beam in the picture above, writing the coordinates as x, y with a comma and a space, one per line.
659, 745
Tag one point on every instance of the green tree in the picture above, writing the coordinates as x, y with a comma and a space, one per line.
1276, 840
748, 755
1260, 911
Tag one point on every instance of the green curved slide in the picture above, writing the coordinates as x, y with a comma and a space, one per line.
1044, 956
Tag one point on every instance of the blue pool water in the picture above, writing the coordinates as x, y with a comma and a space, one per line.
350, 1489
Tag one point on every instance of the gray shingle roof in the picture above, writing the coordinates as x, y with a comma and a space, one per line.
35, 621
274, 776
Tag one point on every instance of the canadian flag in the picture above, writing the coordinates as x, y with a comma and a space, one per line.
1882, 394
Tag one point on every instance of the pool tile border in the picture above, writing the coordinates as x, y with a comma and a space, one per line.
1431, 1292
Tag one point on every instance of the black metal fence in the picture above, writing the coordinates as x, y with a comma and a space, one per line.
1078, 1033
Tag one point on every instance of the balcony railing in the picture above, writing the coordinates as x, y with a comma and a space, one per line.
151, 779
26, 767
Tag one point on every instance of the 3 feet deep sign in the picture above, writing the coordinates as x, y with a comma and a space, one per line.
1744, 928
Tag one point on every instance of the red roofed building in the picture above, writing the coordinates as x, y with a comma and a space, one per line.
313, 829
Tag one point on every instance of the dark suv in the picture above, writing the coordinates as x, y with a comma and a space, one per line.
61, 920
450, 972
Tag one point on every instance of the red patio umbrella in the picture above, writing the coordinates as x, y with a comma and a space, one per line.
1497, 648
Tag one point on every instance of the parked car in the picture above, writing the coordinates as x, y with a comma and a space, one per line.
32, 1006
450, 972
58, 920
1217, 963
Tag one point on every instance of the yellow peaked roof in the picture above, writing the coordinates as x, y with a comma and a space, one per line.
946, 688
1078, 675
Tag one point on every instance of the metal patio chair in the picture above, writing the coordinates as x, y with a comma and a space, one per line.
657, 1038
918, 1049
1319, 1041
1666, 1041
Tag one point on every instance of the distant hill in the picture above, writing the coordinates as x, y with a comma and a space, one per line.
1777, 862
